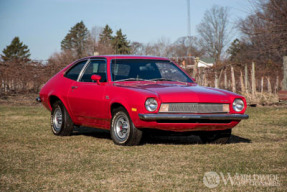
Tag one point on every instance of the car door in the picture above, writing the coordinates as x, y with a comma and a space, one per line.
86, 98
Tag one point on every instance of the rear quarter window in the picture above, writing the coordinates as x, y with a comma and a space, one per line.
74, 72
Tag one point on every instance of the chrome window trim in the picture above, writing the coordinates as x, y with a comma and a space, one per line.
79, 61
86, 66
82, 71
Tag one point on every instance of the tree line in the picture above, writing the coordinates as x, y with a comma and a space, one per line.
263, 42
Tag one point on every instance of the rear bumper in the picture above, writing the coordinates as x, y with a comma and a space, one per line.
155, 117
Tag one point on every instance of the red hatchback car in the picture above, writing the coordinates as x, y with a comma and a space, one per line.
129, 94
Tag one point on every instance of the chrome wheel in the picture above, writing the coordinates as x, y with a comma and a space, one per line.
123, 131
122, 127
61, 122
57, 120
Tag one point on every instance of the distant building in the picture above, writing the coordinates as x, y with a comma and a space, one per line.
188, 62
206, 62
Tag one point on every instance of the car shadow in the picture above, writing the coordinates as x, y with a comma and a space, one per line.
167, 138
92, 132
171, 139
238, 139
186, 139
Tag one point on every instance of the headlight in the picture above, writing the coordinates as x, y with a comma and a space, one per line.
151, 104
238, 105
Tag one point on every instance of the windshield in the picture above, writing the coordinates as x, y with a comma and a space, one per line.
146, 70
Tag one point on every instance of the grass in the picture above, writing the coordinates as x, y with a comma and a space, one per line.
33, 159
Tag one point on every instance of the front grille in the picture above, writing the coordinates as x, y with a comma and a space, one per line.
194, 108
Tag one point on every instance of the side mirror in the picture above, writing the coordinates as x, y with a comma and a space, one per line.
96, 78
193, 79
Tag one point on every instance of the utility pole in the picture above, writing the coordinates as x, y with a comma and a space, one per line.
189, 34
188, 19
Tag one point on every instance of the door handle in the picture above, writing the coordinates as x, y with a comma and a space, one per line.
74, 87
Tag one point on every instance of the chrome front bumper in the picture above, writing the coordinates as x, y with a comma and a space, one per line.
154, 117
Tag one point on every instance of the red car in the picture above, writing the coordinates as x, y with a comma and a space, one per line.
130, 94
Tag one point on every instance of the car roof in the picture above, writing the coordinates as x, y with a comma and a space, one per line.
127, 57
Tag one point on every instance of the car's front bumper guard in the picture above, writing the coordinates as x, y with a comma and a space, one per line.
154, 117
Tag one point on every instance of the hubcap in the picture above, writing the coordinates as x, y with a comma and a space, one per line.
122, 127
57, 119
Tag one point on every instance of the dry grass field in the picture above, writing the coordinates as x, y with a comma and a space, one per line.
33, 159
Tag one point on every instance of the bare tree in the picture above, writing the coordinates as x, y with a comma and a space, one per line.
137, 48
162, 47
266, 29
184, 46
93, 40
264, 39
58, 61
214, 31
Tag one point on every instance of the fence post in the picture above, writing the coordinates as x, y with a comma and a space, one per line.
285, 73
195, 67
216, 79
183, 64
246, 77
225, 79
262, 85
233, 79
269, 88
253, 80
199, 76
241, 82
276, 85
203, 79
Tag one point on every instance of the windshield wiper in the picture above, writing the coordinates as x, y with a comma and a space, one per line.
164, 79
161, 79
140, 79
133, 79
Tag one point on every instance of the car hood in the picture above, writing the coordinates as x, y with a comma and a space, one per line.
172, 92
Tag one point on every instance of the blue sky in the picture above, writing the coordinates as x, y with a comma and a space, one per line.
42, 24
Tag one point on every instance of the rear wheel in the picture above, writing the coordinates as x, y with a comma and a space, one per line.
61, 122
123, 131
216, 137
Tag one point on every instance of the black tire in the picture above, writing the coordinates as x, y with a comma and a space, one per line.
216, 137
123, 131
61, 122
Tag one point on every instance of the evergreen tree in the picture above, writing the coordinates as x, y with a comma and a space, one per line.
234, 49
76, 40
16, 51
106, 36
120, 43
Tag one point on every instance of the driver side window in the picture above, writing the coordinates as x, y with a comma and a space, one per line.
95, 67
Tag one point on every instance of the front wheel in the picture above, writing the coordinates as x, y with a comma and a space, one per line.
61, 122
123, 131
216, 137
